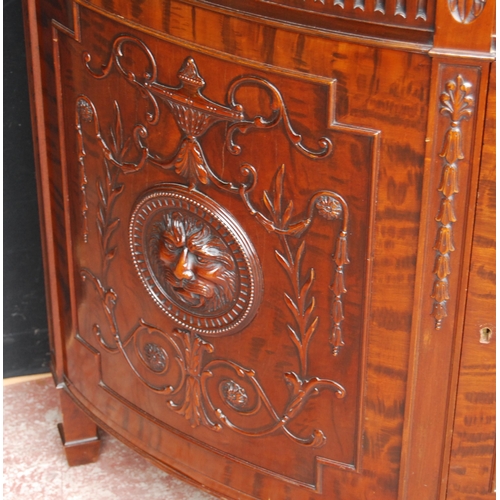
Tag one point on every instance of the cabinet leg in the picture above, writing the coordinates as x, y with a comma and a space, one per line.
79, 434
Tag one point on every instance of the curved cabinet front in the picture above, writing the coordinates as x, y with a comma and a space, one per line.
233, 220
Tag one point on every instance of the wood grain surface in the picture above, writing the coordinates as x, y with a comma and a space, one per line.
258, 236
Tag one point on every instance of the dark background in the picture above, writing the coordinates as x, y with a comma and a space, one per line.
25, 335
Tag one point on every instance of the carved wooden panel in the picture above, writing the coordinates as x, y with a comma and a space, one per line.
193, 225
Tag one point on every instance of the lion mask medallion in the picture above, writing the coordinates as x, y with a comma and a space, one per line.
195, 266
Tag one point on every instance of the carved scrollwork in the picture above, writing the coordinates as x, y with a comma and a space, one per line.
466, 11
457, 103
195, 114
299, 392
189, 395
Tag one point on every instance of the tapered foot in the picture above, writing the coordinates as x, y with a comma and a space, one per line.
79, 434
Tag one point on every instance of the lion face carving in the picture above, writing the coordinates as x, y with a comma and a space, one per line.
196, 268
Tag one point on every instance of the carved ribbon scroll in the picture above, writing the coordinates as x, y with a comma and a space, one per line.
457, 103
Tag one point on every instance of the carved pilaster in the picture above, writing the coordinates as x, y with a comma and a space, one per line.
457, 103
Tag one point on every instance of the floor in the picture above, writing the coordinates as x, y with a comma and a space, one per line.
34, 466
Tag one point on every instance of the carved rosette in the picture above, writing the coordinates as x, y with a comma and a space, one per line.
457, 103
195, 261
154, 357
233, 394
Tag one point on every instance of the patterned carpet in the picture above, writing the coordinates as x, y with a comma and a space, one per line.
35, 468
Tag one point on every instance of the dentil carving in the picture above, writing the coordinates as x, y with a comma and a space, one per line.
457, 103
388, 9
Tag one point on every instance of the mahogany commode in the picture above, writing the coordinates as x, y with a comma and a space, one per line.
268, 239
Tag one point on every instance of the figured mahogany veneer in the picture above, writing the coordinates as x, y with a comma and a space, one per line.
259, 225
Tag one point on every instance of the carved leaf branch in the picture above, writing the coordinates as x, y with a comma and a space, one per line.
330, 206
457, 103
106, 224
114, 154
109, 190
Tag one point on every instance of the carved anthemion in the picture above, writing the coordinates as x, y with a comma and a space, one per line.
457, 102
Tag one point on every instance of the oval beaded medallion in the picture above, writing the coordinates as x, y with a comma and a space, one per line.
195, 260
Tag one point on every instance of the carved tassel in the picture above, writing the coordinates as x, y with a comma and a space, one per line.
444, 243
341, 250
338, 314
439, 313
452, 147
336, 340
440, 291
446, 213
449, 181
338, 286
457, 102
442, 266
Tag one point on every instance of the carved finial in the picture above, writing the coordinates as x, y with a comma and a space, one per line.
190, 76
